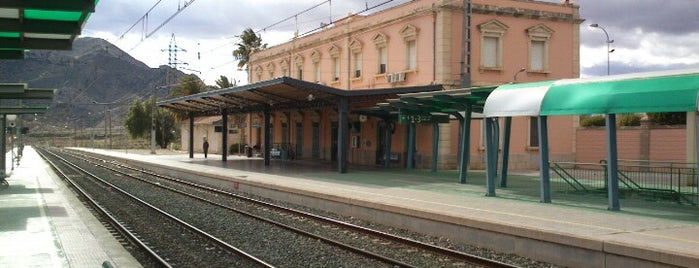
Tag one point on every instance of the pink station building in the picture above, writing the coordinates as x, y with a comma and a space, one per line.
425, 42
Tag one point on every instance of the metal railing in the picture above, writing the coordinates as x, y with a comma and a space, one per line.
651, 180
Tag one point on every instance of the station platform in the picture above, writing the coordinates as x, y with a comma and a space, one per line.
43, 224
663, 235
580, 230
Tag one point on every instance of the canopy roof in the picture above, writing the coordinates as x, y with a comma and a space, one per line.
666, 91
447, 101
282, 93
19, 91
41, 24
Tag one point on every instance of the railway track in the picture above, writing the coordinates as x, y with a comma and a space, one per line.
367, 247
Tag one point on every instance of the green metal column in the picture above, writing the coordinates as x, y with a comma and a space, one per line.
505, 151
411, 146
491, 158
343, 135
544, 160
265, 129
435, 146
465, 149
2, 146
191, 135
696, 149
389, 136
224, 135
612, 168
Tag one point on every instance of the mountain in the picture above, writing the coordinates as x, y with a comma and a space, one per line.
94, 72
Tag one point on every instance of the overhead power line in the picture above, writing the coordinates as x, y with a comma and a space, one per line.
144, 21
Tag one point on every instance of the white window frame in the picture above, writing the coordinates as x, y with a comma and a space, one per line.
409, 34
539, 34
492, 29
335, 52
356, 49
315, 59
381, 44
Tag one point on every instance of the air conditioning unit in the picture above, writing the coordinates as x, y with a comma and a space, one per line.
400, 77
390, 78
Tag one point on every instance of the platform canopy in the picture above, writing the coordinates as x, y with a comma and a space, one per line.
20, 91
666, 91
41, 24
282, 93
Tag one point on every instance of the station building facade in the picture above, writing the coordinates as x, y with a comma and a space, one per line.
423, 42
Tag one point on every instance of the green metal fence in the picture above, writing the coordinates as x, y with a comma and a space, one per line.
643, 179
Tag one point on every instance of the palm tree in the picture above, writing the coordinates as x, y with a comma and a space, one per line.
223, 82
188, 85
250, 43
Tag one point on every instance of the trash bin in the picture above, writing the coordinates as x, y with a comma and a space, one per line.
248, 151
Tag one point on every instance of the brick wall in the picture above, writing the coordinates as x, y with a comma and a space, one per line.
663, 143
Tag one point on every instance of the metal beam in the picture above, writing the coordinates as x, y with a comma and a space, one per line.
12, 88
40, 26
29, 94
23, 110
65, 5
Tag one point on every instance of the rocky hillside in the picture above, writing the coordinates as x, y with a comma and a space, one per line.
95, 71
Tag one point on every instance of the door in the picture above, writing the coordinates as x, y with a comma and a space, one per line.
299, 139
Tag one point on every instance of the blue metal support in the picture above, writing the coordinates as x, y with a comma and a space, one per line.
191, 135
491, 148
612, 167
2, 147
268, 136
465, 149
224, 135
544, 160
343, 135
411, 146
389, 138
505, 151
435, 146
696, 149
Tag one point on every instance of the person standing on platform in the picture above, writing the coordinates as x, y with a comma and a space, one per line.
206, 147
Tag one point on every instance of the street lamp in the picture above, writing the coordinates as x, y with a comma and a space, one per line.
595, 25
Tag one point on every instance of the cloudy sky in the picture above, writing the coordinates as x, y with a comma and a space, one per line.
648, 35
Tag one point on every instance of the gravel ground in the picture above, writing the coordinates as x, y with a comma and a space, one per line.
232, 227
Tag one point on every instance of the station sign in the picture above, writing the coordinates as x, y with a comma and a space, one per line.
418, 117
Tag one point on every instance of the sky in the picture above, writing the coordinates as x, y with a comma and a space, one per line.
648, 35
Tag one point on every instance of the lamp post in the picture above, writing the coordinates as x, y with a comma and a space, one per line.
609, 41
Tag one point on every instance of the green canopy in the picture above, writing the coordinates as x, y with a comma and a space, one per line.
667, 91
41, 24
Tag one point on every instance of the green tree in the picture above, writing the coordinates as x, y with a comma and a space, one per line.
224, 82
188, 85
250, 43
138, 123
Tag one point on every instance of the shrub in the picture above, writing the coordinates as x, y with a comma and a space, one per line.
592, 121
235, 148
630, 120
676, 118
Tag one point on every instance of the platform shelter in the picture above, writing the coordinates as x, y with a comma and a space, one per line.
284, 94
666, 91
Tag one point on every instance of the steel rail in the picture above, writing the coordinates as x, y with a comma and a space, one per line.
188, 226
469, 258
